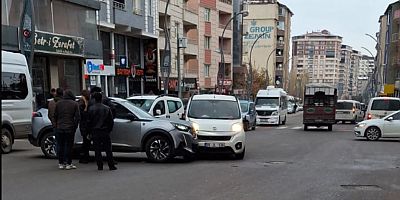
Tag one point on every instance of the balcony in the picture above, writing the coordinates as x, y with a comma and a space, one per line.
119, 5
192, 48
190, 16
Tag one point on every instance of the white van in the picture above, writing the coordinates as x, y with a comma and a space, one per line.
218, 120
271, 106
160, 106
16, 99
379, 107
348, 110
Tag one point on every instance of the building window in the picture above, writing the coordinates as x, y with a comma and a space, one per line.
281, 11
106, 40
137, 7
149, 8
281, 25
119, 41
206, 70
207, 42
207, 14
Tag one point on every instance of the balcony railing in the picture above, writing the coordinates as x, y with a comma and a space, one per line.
226, 1
118, 5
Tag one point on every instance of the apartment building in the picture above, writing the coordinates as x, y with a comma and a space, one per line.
317, 54
388, 50
129, 44
365, 72
269, 23
344, 68
200, 23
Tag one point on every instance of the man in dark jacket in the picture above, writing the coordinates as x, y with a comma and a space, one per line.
52, 105
66, 119
105, 100
100, 123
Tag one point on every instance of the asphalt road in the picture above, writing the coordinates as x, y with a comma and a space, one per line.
281, 163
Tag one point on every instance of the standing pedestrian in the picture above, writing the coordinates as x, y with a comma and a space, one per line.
83, 110
105, 100
66, 118
100, 123
52, 105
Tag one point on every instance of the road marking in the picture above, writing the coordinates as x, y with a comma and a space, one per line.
296, 127
281, 127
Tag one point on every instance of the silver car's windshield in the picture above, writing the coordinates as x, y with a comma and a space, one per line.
144, 104
244, 107
137, 111
214, 109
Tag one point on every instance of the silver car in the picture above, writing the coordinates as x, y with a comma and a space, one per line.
134, 131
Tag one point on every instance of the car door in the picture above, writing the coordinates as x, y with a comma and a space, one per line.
392, 128
252, 113
159, 106
126, 131
173, 109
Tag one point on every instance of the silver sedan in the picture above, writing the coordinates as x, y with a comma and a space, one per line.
134, 131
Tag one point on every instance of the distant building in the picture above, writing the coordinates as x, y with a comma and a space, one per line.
272, 19
317, 55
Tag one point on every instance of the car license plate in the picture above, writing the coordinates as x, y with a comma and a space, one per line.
214, 145
264, 120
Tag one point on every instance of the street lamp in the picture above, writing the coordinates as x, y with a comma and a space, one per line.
245, 13
266, 68
377, 69
374, 69
250, 82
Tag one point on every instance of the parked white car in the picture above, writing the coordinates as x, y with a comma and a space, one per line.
162, 106
386, 127
379, 107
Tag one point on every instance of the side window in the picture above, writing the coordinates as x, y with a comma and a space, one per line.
159, 106
13, 86
178, 105
396, 116
121, 112
172, 106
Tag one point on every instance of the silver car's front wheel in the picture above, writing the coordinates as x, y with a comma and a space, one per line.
373, 133
159, 149
48, 145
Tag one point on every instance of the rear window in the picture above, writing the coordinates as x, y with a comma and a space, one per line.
386, 104
344, 106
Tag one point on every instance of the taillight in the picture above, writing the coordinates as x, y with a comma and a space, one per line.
369, 116
36, 114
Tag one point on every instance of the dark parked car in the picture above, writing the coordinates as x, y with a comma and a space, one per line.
248, 114
134, 131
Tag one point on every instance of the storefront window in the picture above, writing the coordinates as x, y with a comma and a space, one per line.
119, 42
120, 86
11, 11
40, 83
70, 74
106, 40
74, 20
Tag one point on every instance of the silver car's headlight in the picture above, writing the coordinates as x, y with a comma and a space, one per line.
185, 128
360, 125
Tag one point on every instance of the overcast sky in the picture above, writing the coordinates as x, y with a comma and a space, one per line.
350, 19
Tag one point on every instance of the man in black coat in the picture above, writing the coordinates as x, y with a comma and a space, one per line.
100, 124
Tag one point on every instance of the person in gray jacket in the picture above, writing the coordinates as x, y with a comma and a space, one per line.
66, 120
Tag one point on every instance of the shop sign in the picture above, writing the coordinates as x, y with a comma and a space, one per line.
150, 60
96, 67
123, 71
59, 44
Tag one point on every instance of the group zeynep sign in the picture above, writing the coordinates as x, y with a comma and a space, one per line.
59, 44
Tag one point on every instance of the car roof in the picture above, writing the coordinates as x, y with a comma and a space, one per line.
144, 97
387, 98
213, 96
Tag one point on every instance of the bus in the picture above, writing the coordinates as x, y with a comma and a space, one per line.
271, 106
319, 106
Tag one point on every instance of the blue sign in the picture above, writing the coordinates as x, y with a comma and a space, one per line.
93, 67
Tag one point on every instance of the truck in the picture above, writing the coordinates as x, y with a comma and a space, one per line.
271, 106
319, 106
